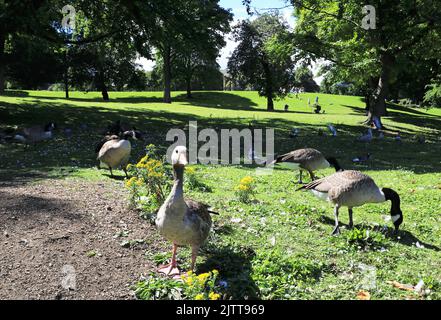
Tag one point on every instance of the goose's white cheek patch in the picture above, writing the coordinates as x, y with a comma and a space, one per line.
321, 195
395, 218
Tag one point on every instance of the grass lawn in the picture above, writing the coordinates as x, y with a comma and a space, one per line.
279, 246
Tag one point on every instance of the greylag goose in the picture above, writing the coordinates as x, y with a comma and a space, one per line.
306, 159
353, 189
182, 221
115, 152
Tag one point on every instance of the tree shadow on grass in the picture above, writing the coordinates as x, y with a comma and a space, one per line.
78, 150
234, 266
409, 116
14, 93
219, 100
129, 99
405, 237
29, 207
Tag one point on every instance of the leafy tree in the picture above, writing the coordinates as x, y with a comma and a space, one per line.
260, 59
179, 26
432, 96
192, 62
17, 18
33, 64
303, 77
333, 30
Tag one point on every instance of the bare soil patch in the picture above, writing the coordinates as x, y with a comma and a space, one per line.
49, 228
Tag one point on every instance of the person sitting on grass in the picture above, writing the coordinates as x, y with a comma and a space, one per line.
317, 108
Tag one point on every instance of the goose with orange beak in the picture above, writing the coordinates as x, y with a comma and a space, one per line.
182, 221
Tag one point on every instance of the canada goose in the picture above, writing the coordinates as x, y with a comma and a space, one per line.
116, 151
353, 189
362, 158
294, 133
117, 128
367, 137
182, 221
306, 159
333, 130
106, 138
114, 128
36, 133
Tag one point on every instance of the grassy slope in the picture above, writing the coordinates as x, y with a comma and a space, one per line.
281, 246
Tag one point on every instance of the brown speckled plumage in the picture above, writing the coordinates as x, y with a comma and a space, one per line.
347, 188
308, 159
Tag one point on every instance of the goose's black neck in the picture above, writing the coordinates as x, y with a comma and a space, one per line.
127, 135
393, 197
395, 210
333, 162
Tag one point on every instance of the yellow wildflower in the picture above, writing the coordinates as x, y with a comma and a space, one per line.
247, 180
130, 182
191, 170
143, 159
243, 187
214, 296
189, 281
203, 277
199, 296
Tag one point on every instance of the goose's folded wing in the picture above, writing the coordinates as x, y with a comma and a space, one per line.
321, 185
301, 155
201, 209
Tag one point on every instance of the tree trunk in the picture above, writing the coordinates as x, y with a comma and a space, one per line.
104, 93
167, 74
2, 62
269, 87
377, 105
66, 76
189, 95
102, 85
269, 103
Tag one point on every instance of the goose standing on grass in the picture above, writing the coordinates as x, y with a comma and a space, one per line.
353, 189
306, 160
182, 221
115, 152
367, 137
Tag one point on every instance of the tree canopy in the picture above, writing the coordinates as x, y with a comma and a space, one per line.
334, 30
260, 57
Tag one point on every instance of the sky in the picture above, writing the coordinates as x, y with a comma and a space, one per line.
239, 11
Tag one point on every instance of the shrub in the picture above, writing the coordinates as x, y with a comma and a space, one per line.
150, 182
193, 182
246, 189
432, 97
191, 287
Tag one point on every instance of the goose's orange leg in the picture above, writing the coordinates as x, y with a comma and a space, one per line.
171, 269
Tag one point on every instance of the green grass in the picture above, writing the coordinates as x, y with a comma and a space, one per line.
279, 246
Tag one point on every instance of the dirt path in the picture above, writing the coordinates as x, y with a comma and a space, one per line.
57, 231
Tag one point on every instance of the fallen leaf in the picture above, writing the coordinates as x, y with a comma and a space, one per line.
401, 286
363, 295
